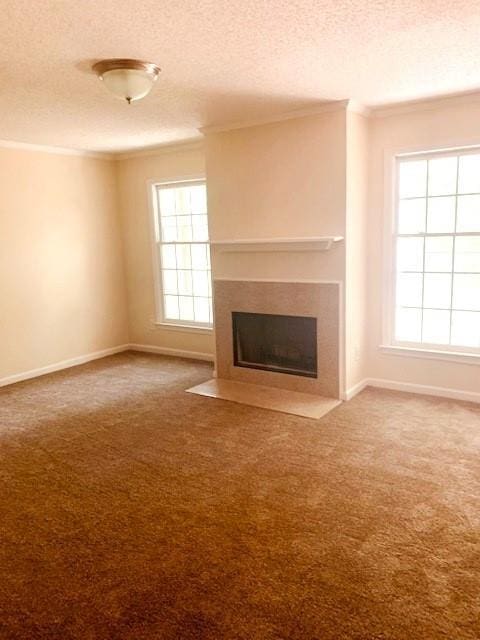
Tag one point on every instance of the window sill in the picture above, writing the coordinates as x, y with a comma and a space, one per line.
184, 328
460, 357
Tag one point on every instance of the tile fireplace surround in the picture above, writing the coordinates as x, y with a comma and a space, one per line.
312, 299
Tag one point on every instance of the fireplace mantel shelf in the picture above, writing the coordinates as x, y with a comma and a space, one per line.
323, 243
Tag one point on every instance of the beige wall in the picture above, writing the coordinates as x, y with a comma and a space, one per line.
284, 179
356, 248
274, 179
61, 270
436, 127
133, 175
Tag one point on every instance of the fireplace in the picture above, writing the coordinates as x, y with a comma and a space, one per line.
279, 343
282, 334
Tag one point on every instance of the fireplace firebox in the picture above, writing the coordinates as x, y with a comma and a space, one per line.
284, 344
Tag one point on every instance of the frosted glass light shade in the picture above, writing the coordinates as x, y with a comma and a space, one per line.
129, 80
128, 84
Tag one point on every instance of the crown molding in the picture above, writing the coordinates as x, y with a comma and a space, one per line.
425, 104
378, 111
322, 107
357, 107
196, 143
64, 151
190, 145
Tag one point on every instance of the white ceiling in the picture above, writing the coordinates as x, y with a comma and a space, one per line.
221, 61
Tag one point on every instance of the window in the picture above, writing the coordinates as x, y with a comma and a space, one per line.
437, 251
182, 253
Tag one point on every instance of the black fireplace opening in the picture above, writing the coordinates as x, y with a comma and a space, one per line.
285, 344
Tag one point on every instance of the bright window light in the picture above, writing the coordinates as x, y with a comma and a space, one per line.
183, 253
437, 251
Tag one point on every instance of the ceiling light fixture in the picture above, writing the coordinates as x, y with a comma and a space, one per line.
129, 80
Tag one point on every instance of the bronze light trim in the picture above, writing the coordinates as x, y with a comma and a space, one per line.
126, 63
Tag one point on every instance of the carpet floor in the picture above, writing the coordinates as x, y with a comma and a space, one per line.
133, 510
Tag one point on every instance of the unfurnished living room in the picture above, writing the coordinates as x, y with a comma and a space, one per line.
240, 320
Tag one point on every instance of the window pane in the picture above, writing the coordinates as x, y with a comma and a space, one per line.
168, 256
200, 233
185, 283
442, 176
469, 174
186, 308
441, 215
182, 200
410, 254
170, 281
439, 253
200, 227
171, 307
198, 196
169, 229
413, 179
408, 325
409, 289
199, 221
466, 292
437, 290
200, 256
411, 215
467, 253
184, 227
466, 328
201, 309
166, 201
184, 260
200, 283
436, 326
468, 213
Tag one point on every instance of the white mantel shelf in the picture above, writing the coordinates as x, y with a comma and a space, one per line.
323, 243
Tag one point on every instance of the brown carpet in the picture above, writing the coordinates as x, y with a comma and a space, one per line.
133, 510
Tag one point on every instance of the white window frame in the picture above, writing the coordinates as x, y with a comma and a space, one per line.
460, 354
156, 243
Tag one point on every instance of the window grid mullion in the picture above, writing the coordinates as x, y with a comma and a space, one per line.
434, 234
424, 252
406, 306
442, 195
453, 252
178, 282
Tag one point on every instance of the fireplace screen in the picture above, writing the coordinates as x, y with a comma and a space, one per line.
286, 344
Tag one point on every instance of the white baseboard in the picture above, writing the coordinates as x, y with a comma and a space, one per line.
410, 387
96, 355
424, 389
352, 392
454, 394
64, 364
166, 351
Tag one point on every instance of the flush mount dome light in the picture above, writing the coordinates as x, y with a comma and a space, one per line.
129, 80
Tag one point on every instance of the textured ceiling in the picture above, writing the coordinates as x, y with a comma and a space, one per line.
221, 61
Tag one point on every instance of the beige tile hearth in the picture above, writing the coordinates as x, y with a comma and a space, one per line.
255, 395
